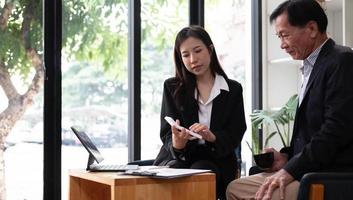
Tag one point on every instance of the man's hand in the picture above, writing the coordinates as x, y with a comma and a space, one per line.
280, 159
280, 179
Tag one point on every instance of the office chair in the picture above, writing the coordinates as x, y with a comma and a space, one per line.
328, 186
322, 186
239, 161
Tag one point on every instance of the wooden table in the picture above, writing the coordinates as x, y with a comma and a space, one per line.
111, 185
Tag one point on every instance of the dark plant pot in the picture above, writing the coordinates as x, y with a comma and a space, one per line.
264, 160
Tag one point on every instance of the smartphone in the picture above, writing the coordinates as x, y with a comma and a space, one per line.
172, 122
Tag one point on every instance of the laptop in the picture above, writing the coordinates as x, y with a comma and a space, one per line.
96, 156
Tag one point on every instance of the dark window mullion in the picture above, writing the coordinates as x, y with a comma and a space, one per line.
256, 39
134, 76
197, 12
52, 100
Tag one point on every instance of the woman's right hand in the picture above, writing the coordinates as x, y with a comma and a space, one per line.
179, 137
279, 161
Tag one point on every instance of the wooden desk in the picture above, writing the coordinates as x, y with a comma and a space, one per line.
109, 185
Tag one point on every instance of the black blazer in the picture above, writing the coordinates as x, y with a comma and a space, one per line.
227, 123
323, 129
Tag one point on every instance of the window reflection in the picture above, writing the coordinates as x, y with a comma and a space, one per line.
160, 21
94, 81
231, 34
21, 86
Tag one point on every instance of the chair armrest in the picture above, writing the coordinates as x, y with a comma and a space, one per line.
336, 185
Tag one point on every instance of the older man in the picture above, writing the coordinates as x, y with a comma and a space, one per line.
322, 138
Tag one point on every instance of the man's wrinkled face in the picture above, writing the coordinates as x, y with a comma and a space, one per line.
296, 41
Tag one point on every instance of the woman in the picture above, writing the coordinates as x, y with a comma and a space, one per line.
201, 98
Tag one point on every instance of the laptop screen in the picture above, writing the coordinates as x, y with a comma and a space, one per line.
88, 144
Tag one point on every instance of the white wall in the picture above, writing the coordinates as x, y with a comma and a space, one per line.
281, 74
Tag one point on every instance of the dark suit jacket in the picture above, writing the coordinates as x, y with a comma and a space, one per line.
323, 129
227, 123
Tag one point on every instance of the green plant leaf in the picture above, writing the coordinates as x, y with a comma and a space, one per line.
269, 136
291, 106
279, 119
251, 149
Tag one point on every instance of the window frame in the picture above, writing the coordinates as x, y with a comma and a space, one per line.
52, 100
52, 83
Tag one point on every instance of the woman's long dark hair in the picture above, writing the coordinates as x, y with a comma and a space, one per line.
186, 81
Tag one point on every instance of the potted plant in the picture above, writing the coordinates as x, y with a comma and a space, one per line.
281, 121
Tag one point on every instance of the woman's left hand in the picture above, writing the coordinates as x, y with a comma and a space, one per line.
203, 131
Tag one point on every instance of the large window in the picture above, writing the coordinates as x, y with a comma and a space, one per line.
232, 37
160, 22
21, 98
94, 81
94, 68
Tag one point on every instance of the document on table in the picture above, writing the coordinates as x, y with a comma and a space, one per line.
164, 172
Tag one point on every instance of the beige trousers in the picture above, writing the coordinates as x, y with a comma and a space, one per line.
246, 188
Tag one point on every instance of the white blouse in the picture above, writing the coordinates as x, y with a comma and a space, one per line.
205, 108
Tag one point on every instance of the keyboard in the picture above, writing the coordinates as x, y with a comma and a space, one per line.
112, 168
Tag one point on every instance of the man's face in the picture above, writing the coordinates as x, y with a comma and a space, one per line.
296, 41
